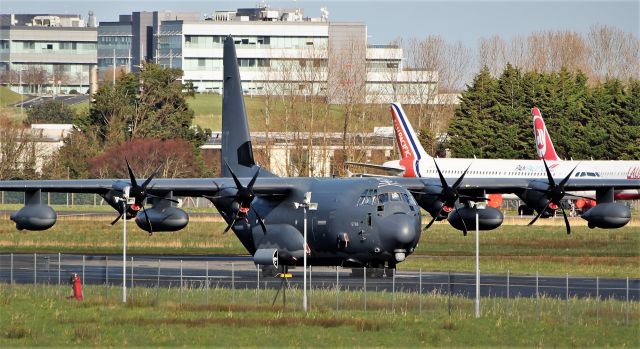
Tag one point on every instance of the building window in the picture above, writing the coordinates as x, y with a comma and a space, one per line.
49, 46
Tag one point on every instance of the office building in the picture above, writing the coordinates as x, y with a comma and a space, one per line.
50, 53
280, 52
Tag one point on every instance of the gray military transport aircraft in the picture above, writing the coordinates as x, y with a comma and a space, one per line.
370, 221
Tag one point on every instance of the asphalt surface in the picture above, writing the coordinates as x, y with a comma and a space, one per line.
32, 100
240, 272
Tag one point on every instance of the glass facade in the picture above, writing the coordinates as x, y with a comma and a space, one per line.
49, 59
117, 42
52, 47
257, 63
216, 41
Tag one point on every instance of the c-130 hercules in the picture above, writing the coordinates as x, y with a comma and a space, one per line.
372, 222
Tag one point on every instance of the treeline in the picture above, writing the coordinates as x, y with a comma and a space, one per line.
602, 53
599, 121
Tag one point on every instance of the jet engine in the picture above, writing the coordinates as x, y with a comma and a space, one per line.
488, 218
164, 218
608, 215
34, 217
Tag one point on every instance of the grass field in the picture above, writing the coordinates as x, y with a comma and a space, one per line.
208, 113
519, 249
43, 317
8, 97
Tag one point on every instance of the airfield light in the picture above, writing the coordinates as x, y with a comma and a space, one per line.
126, 200
479, 206
305, 204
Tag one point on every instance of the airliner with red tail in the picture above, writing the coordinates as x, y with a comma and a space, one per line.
546, 150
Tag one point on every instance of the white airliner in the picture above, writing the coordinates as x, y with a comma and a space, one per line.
415, 162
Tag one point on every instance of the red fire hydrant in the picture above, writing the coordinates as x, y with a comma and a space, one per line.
77, 286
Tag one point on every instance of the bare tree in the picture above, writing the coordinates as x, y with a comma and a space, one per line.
347, 86
312, 75
444, 67
35, 77
9, 77
492, 54
17, 150
613, 53
59, 77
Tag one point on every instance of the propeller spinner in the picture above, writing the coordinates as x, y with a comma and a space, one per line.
243, 197
554, 194
140, 194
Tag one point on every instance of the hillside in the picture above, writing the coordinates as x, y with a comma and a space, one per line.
8, 97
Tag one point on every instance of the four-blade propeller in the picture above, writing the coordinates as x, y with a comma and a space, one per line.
140, 194
449, 195
554, 194
243, 197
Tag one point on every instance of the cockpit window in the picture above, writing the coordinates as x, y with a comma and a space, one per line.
587, 174
409, 199
395, 196
368, 197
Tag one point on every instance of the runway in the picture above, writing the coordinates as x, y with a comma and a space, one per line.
240, 272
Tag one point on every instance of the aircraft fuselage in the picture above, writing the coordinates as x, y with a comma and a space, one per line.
358, 222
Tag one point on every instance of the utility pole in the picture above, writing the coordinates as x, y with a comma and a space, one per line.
478, 206
124, 251
126, 200
114, 67
22, 102
312, 206
477, 265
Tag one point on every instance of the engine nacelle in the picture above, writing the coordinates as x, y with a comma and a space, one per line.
163, 219
266, 256
608, 215
429, 203
488, 218
535, 199
34, 217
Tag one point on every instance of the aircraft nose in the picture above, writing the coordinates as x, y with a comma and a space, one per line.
399, 230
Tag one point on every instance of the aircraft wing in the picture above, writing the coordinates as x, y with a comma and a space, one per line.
391, 170
512, 185
194, 187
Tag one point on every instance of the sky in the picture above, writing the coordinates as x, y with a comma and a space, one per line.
465, 21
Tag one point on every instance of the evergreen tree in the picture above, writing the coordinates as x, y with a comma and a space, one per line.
472, 124
632, 120
493, 119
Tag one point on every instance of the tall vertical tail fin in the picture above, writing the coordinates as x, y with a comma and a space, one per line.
411, 150
544, 145
236, 140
